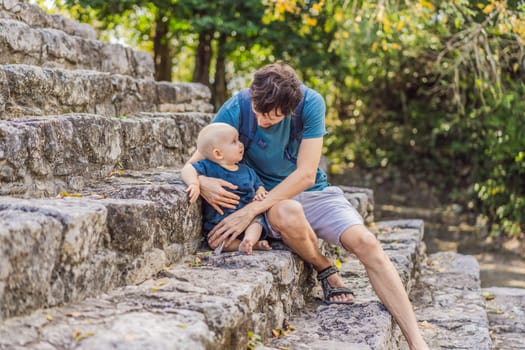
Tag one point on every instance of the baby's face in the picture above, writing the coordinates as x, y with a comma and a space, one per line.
231, 147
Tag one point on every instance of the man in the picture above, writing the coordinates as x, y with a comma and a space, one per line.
300, 205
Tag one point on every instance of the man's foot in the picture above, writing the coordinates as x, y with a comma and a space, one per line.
335, 281
246, 246
334, 290
262, 245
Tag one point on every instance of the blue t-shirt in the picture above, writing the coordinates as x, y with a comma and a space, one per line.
244, 178
266, 154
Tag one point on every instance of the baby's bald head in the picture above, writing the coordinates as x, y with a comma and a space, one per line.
212, 136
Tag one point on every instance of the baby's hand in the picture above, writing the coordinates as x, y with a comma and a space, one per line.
260, 195
193, 192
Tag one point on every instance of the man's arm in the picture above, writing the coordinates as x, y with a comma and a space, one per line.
302, 178
299, 180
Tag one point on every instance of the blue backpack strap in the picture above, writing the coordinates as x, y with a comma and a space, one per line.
247, 120
296, 132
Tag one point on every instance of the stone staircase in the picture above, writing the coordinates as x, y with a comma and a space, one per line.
100, 249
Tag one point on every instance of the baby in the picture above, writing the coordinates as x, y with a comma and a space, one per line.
219, 144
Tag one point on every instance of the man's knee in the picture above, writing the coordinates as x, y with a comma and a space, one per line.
286, 214
359, 240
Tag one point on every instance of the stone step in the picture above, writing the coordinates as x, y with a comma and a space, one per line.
226, 301
448, 303
211, 303
35, 17
45, 47
54, 251
117, 231
35, 91
129, 184
506, 313
47, 155
366, 324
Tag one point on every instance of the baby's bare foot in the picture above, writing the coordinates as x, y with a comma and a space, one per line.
262, 245
246, 246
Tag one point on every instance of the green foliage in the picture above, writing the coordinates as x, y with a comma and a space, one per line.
437, 88
501, 185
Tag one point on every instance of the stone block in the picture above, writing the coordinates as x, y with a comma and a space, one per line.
43, 241
448, 303
48, 155
29, 90
35, 17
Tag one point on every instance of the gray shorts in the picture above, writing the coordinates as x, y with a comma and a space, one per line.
328, 212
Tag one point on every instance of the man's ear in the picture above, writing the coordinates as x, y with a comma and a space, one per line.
217, 153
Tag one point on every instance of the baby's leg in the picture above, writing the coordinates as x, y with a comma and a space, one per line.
251, 236
262, 245
251, 239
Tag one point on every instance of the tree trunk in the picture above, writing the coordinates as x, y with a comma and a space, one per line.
201, 74
220, 93
162, 50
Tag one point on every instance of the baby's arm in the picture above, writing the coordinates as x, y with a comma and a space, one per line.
191, 178
260, 194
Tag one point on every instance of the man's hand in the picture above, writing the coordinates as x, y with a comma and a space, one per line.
214, 192
193, 192
230, 227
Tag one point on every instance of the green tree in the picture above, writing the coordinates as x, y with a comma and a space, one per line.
218, 28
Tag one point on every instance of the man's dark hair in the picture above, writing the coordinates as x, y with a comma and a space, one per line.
276, 86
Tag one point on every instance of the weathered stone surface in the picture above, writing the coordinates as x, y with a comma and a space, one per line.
35, 17
448, 303
366, 324
63, 250
34, 90
210, 306
47, 155
170, 223
44, 251
21, 44
506, 313
363, 199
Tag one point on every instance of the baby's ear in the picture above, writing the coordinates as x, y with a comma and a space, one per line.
217, 153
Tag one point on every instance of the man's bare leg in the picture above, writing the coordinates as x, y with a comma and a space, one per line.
287, 218
385, 280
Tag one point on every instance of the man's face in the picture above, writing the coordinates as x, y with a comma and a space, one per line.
268, 119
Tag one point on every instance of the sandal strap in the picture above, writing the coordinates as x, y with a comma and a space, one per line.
339, 291
324, 274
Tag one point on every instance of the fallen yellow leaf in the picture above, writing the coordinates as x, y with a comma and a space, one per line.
78, 335
488, 296
424, 325
338, 264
